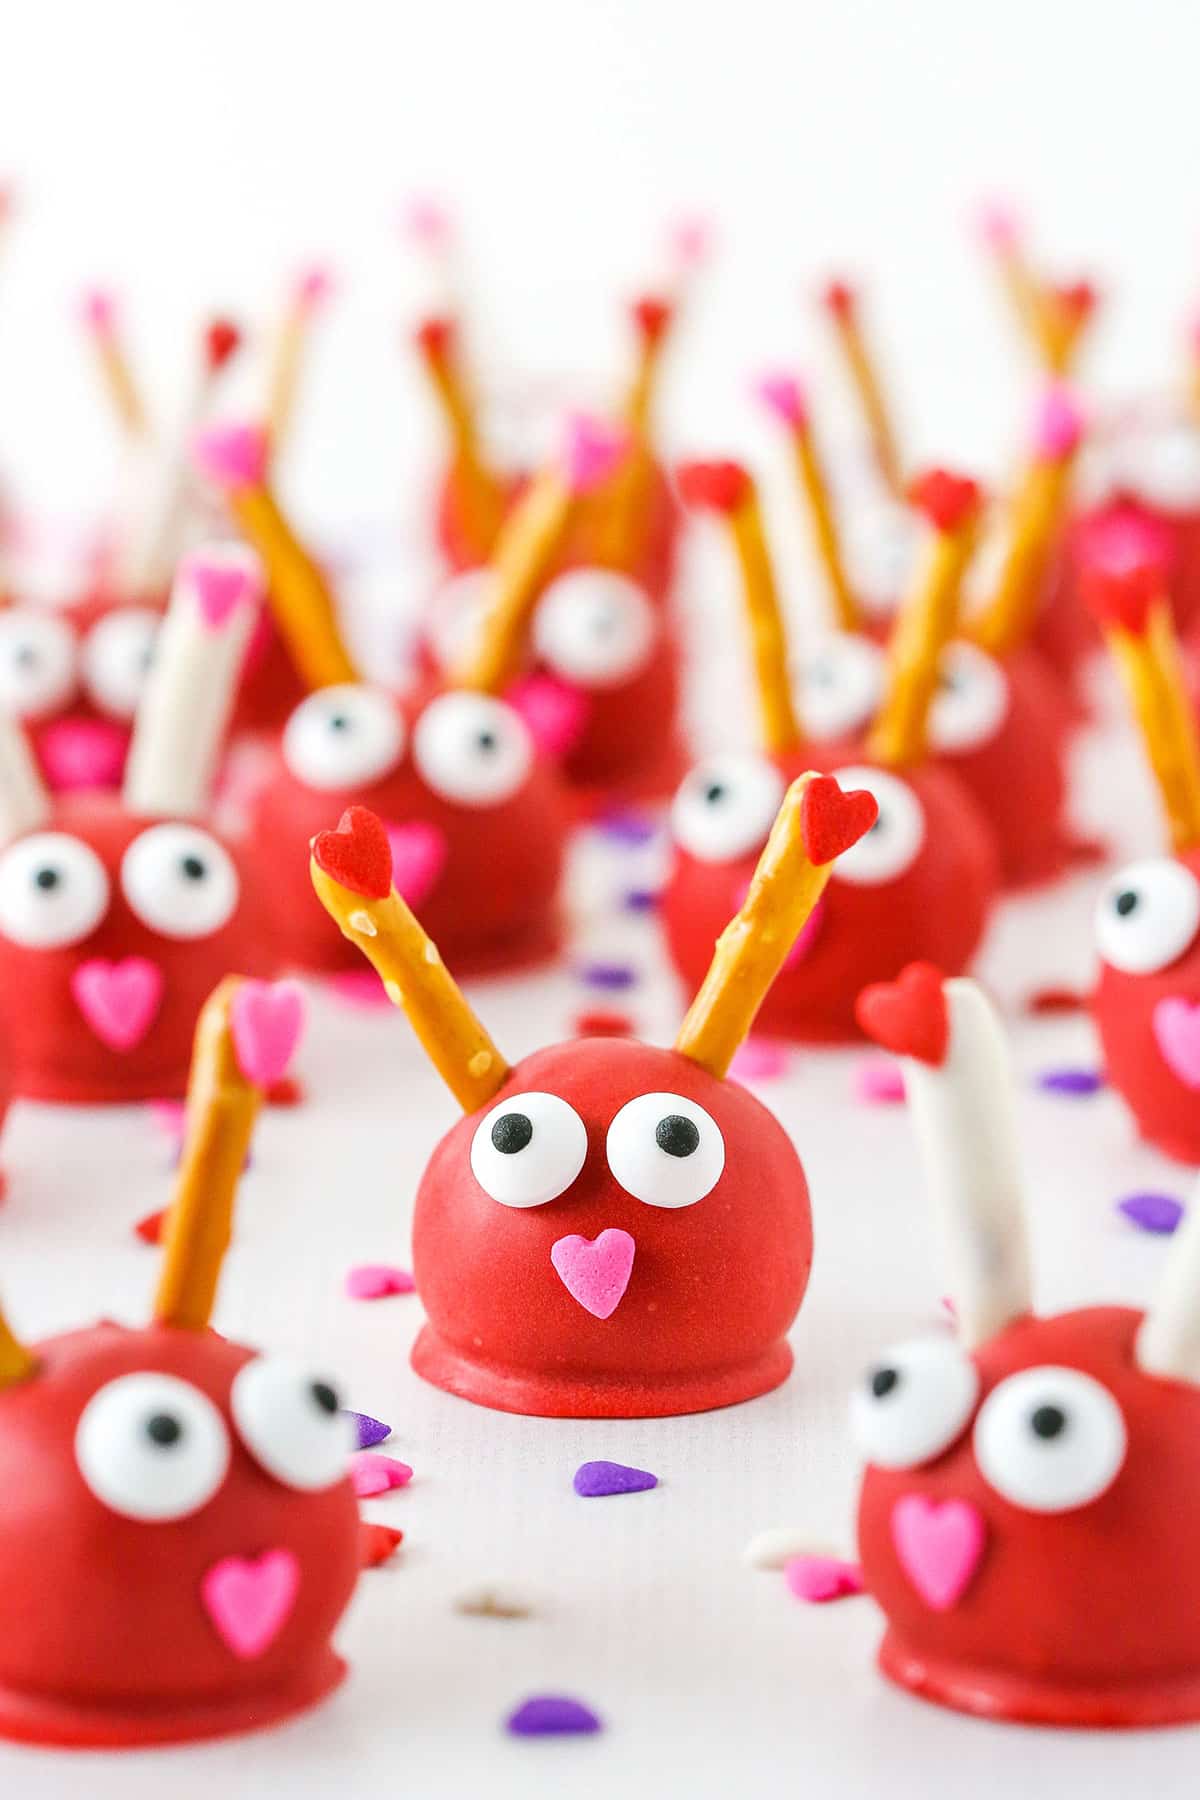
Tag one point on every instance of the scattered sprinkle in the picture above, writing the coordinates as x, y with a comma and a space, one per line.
611, 975
1152, 1212
640, 900
1053, 1000
149, 1229
378, 1543
552, 1715
819, 1579
625, 827
376, 1281
371, 1475
493, 1603
878, 1081
1077, 1084
594, 1479
370, 1431
600, 1022
760, 1059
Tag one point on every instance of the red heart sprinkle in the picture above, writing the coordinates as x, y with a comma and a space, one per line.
1123, 570
435, 336
722, 486
947, 500
652, 315
908, 1016
357, 855
840, 299
378, 1543
1077, 299
832, 821
220, 341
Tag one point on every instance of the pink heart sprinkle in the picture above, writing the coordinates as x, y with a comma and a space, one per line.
98, 309
232, 456
555, 711
595, 1272
1059, 424
371, 1474
419, 852
594, 449
119, 1000
760, 1059
267, 1019
313, 285
819, 1579
878, 1081
221, 584
250, 1600
82, 754
783, 396
1177, 1034
939, 1546
376, 1281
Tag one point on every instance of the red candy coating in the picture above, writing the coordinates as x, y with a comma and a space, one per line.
713, 1286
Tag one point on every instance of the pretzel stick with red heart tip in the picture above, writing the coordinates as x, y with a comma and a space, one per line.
234, 458
100, 320
814, 824
527, 546
625, 503
1068, 311
411, 968
479, 489
841, 303
309, 293
783, 396
928, 618
1035, 521
1001, 232
727, 489
1125, 585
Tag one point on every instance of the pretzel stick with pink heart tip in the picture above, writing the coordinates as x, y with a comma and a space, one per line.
184, 712
309, 293
99, 313
233, 1061
842, 305
1000, 230
814, 824
234, 458
527, 546
784, 397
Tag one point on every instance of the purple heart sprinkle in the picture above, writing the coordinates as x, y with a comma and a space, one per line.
592, 1479
1152, 1212
640, 900
621, 827
1077, 1083
551, 1715
609, 975
370, 1431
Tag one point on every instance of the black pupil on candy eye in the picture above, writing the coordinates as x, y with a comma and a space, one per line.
46, 879
193, 868
714, 793
883, 1381
1048, 1421
1126, 902
486, 741
325, 1396
880, 823
26, 657
339, 722
511, 1133
164, 1430
676, 1135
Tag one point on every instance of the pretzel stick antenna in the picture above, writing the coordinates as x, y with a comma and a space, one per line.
1068, 311
728, 489
1035, 523
17, 1363
24, 801
625, 514
100, 319
184, 712
479, 488
1002, 235
234, 458
290, 351
842, 305
413, 974
525, 551
785, 399
928, 618
784, 890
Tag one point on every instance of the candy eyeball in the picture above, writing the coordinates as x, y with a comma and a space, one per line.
971, 703
292, 1423
914, 1403
725, 807
1050, 1439
152, 1447
891, 847
1147, 916
665, 1150
343, 737
180, 881
841, 684
594, 627
116, 654
472, 749
37, 662
54, 891
528, 1150
458, 608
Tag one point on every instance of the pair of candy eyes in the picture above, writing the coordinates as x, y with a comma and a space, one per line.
591, 627
842, 684
1048, 1439
1147, 916
153, 1447
54, 889
470, 749
42, 661
725, 809
662, 1148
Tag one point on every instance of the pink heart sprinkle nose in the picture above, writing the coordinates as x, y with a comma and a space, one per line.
82, 754
267, 1019
250, 1600
1177, 1034
595, 1271
232, 456
939, 1546
221, 583
119, 1000
419, 853
555, 712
